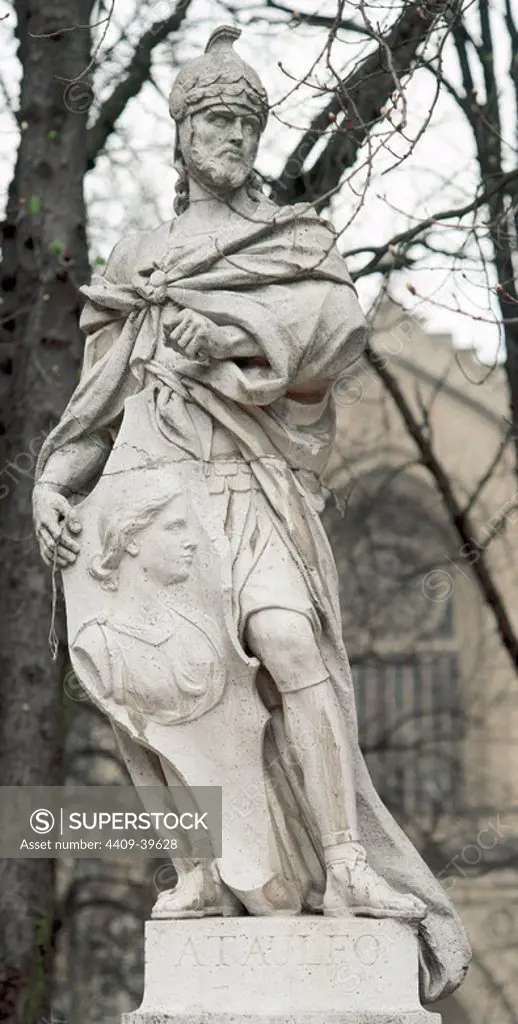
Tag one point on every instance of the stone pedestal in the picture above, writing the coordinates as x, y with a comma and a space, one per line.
281, 970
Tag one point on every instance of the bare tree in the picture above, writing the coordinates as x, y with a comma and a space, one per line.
44, 262
478, 54
41, 351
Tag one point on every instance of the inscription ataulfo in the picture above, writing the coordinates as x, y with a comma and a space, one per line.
284, 970
302, 950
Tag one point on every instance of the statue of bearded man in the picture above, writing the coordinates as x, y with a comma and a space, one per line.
239, 316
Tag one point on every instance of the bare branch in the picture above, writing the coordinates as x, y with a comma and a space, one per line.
137, 73
486, 476
317, 19
459, 517
362, 94
404, 237
462, 101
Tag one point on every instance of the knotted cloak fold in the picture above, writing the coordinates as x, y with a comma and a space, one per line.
280, 279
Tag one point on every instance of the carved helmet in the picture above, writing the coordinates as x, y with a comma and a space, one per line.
219, 77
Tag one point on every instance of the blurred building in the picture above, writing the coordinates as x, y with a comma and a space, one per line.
437, 693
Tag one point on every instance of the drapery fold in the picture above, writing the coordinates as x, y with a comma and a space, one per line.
280, 279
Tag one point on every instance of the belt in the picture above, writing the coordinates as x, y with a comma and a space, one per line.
230, 475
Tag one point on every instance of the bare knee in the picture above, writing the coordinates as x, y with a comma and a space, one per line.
285, 643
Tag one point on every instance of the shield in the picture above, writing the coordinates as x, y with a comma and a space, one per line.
152, 637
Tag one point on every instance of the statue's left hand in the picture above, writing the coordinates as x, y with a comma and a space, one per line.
194, 335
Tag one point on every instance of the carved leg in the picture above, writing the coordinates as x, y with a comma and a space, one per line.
317, 734
315, 727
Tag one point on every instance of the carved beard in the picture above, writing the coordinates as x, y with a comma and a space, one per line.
217, 171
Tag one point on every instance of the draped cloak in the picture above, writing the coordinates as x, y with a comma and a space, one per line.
279, 278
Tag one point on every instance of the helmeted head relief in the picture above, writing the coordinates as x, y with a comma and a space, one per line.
219, 77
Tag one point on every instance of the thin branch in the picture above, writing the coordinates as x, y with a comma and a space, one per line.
60, 29
137, 73
462, 101
460, 519
485, 478
361, 97
499, 186
319, 20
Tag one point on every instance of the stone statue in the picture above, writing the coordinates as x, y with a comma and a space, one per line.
180, 496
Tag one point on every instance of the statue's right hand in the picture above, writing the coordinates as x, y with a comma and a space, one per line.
56, 526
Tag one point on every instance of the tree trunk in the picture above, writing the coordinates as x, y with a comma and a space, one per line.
106, 901
45, 260
486, 119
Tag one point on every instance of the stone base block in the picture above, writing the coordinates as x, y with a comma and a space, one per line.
281, 970
421, 1017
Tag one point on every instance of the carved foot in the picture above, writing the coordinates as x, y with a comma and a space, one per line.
198, 893
353, 887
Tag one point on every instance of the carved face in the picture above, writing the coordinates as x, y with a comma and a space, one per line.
166, 547
220, 146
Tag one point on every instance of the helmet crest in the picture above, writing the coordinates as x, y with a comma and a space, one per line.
220, 76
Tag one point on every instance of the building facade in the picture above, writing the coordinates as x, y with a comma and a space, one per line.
436, 690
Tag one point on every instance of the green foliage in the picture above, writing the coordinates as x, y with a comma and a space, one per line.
39, 987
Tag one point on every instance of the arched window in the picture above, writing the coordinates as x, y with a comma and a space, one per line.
398, 600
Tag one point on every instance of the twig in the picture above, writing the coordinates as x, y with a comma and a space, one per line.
137, 73
459, 517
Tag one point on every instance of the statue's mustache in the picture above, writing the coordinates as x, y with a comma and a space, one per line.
209, 158
228, 150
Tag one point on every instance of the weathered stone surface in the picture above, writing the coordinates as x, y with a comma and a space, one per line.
353, 1017
300, 970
